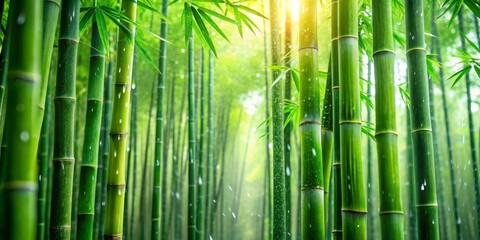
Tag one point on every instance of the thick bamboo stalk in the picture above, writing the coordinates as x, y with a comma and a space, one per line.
370, 217
391, 209
191, 143
354, 207
337, 231
86, 203
24, 72
119, 126
313, 224
279, 212
412, 211
424, 165
65, 101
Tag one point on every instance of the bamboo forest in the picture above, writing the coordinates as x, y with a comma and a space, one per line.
239, 119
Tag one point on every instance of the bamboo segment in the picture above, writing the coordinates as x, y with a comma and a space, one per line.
201, 162
65, 101
391, 210
336, 176
354, 207
327, 146
23, 78
210, 148
427, 216
119, 126
159, 161
313, 224
191, 143
279, 212
86, 203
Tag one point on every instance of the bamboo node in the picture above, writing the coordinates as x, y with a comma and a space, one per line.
57, 2
22, 76
383, 51
353, 211
310, 122
95, 100
20, 186
72, 99
427, 205
350, 121
113, 236
335, 87
64, 159
335, 164
391, 213
422, 130
415, 49
60, 228
348, 36
119, 185
304, 48
68, 39
119, 134
386, 132
312, 188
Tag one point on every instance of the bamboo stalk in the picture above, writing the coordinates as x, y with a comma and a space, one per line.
119, 126
23, 76
191, 143
86, 203
354, 207
313, 224
424, 165
65, 101
391, 209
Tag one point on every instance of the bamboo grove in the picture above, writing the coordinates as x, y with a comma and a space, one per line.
219, 119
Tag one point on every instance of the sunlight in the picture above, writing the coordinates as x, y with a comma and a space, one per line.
294, 10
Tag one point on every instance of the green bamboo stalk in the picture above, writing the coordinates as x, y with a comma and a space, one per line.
107, 116
23, 75
133, 150
426, 197
391, 209
65, 101
159, 160
191, 143
201, 162
313, 224
412, 212
370, 221
327, 148
354, 207
471, 127
438, 51
119, 126
210, 145
3, 77
288, 128
86, 202
279, 211
337, 232
43, 159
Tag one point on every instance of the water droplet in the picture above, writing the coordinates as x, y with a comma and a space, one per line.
314, 152
287, 171
40, 178
134, 86
233, 215
21, 19
116, 172
24, 136
200, 181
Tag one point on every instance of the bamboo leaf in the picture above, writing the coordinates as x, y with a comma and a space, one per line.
102, 28
252, 11
458, 75
86, 19
203, 30
213, 24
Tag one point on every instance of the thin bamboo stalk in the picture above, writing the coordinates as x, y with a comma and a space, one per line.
191, 143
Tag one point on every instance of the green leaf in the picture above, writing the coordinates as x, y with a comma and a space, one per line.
86, 19
296, 79
188, 18
102, 29
203, 30
213, 24
247, 9
458, 75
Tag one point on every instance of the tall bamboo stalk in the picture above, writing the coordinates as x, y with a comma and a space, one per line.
119, 126
354, 207
313, 224
210, 146
23, 76
65, 101
288, 128
471, 127
86, 203
370, 222
44, 163
279, 212
426, 197
391, 209
337, 231
201, 162
159, 160
191, 143
412, 211
327, 147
